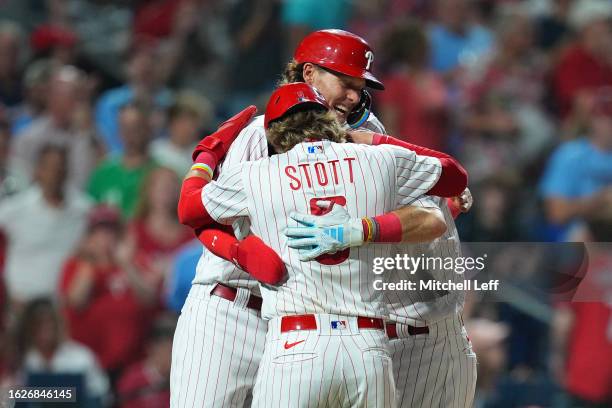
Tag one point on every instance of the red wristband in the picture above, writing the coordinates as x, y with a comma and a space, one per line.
378, 139
389, 228
207, 158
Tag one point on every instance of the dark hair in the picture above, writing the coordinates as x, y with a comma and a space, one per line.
293, 72
49, 148
28, 322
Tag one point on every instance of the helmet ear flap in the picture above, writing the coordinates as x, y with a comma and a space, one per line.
360, 113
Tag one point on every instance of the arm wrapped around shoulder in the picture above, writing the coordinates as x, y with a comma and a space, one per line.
454, 177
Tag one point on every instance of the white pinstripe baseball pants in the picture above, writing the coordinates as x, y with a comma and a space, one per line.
437, 369
327, 367
216, 351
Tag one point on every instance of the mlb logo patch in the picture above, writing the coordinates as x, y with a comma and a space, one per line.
315, 149
338, 324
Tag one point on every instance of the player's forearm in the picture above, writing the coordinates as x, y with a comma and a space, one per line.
207, 154
420, 224
406, 224
191, 210
453, 179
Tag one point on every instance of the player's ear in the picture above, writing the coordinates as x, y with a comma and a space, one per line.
309, 71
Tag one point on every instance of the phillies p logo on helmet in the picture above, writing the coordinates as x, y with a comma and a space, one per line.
370, 57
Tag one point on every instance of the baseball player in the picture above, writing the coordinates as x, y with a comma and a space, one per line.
217, 367
326, 343
433, 360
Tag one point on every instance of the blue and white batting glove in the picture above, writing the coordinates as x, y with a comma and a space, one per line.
324, 234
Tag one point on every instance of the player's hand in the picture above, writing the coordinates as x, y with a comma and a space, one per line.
324, 234
219, 142
464, 201
361, 137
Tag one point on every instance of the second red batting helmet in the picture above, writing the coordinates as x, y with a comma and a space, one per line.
339, 51
291, 97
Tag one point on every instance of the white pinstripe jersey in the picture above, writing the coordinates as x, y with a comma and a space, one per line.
421, 308
367, 180
251, 144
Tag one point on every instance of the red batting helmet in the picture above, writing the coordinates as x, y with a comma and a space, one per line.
339, 51
291, 97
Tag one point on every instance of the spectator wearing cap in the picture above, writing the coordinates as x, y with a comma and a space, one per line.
587, 64
118, 179
144, 87
578, 178
43, 348
43, 225
101, 300
55, 42
189, 114
61, 124
146, 384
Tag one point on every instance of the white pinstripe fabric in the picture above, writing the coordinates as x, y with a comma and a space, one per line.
216, 352
437, 369
331, 368
215, 336
445, 354
196, 350
419, 308
371, 179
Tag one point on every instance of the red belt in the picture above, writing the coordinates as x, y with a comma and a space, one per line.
412, 330
229, 293
309, 322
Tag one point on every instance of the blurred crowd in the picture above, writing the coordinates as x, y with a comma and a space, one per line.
102, 102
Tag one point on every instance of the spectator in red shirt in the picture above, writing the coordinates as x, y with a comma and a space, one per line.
581, 355
414, 104
103, 302
146, 384
587, 64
